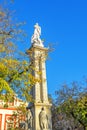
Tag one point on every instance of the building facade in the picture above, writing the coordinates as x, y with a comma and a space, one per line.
6, 113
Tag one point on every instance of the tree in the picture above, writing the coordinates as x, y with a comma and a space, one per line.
72, 101
15, 69
60, 121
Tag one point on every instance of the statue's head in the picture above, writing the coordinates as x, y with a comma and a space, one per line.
37, 24
42, 108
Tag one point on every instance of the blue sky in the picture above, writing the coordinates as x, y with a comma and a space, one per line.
64, 24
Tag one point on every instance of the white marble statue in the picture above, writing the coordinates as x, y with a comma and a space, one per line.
35, 39
29, 120
43, 118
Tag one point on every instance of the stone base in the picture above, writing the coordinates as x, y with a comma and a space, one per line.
36, 110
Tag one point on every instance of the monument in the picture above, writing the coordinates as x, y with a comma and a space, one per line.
41, 108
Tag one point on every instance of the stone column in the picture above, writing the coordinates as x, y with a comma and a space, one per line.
41, 109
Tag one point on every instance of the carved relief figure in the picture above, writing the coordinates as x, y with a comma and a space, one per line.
29, 120
36, 36
43, 118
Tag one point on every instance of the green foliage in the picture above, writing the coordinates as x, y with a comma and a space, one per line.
80, 110
72, 100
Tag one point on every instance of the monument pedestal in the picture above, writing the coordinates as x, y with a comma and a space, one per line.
36, 109
41, 108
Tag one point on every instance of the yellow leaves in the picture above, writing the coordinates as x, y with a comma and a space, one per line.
24, 62
24, 73
2, 48
5, 86
33, 80
6, 93
10, 63
2, 67
8, 66
18, 76
3, 70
